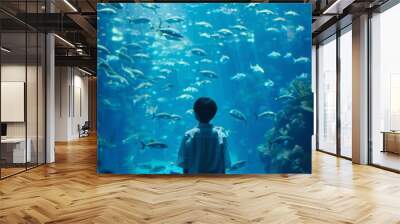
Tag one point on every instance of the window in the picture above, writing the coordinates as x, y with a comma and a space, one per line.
346, 92
385, 89
327, 95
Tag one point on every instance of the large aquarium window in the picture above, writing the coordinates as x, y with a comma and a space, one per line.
204, 88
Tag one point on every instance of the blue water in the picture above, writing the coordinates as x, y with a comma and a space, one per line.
258, 53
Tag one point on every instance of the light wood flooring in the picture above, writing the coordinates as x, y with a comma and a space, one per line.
70, 191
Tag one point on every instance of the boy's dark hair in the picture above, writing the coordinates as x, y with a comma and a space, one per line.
205, 109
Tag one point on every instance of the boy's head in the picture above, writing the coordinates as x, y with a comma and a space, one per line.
205, 109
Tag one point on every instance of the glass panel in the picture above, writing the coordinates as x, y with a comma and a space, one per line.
346, 93
13, 90
327, 96
385, 83
41, 99
32, 95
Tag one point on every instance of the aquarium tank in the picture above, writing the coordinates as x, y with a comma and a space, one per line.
156, 59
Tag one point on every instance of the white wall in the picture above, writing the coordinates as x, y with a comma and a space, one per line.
71, 93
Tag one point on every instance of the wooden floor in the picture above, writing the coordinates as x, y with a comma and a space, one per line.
70, 191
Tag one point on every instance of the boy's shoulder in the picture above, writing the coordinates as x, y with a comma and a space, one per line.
190, 133
218, 130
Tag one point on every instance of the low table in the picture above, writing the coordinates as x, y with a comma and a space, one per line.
391, 141
13, 150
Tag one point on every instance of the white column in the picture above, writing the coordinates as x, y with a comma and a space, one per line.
360, 90
50, 99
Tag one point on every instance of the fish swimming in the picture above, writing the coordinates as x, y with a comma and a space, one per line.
141, 56
139, 98
272, 29
209, 74
206, 35
285, 97
174, 19
110, 104
171, 32
238, 76
237, 114
134, 46
167, 116
274, 54
239, 164
190, 89
150, 6
300, 29
251, 5
269, 83
223, 59
203, 24
117, 37
257, 69
103, 49
107, 11
225, 32
239, 27
266, 114
302, 76
133, 73
206, 60
301, 60
116, 81
279, 19
185, 97
129, 139
182, 62
124, 56
154, 145
265, 12
198, 52
143, 85
139, 20
165, 71
288, 55
291, 13
202, 82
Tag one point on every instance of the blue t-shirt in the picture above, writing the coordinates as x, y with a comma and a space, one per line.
204, 150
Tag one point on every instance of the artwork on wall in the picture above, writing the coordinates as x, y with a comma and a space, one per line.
204, 88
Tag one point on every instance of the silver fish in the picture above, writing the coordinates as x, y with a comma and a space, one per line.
266, 114
198, 52
154, 145
239, 164
209, 74
237, 114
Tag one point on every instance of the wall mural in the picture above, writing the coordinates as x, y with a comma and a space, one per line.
204, 88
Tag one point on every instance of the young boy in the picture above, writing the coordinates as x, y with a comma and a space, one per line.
204, 148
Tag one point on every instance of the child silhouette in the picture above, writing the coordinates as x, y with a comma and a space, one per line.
204, 148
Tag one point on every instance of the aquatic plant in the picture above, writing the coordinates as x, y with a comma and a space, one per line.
285, 147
